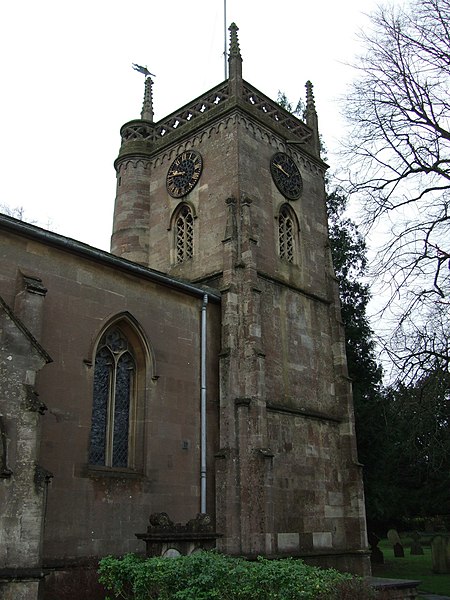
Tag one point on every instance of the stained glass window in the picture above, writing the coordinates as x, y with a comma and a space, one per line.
184, 234
114, 377
286, 235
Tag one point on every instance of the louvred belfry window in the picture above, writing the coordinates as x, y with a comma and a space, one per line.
113, 398
184, 234
286, 235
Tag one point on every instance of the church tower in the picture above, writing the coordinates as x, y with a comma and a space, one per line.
229, 191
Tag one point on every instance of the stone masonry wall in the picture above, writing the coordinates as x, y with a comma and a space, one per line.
22, 482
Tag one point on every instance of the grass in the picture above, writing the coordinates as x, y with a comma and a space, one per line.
412, 567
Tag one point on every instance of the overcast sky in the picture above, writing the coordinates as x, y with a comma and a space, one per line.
68, 85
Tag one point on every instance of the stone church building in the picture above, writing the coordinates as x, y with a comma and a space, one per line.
197, 369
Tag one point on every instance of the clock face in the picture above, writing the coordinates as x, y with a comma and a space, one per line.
286, 176
184, 173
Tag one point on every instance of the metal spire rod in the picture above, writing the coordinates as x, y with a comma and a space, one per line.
225, 37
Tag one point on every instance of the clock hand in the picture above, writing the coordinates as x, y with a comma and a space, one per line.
176, 173
281, 169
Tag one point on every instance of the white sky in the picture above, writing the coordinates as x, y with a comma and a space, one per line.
67, 85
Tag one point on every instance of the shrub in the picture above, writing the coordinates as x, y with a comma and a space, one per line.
213, 576
351, 589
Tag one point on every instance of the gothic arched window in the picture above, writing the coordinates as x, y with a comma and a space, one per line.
113, 401
286, 234
184, 234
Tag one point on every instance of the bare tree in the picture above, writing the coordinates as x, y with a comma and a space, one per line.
398, 153
17, 211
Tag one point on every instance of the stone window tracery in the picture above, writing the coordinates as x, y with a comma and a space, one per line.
286, 234
184, 234
113, 401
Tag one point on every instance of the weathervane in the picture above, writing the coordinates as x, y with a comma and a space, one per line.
147, 107
142, 70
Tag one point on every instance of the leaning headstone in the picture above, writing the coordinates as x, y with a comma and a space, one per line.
416, 546
376, 555
440, 554
394, 538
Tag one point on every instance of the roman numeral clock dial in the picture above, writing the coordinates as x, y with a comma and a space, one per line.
184, 173
286, 176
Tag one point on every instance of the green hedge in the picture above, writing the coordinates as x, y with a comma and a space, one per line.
213, 576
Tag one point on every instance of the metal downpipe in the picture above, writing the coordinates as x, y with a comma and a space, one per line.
203, 407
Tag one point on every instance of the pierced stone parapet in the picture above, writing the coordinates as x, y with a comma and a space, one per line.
137, 130
192, 111
275, 112
138, 135
137, 140
296, 129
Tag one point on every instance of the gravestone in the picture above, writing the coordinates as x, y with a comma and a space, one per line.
416, 547
169, 539
440, 554
394, 538
376, 556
